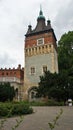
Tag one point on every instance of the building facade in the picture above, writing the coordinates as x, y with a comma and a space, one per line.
16, 79
40, 54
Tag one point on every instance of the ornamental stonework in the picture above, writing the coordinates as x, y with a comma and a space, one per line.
43, 49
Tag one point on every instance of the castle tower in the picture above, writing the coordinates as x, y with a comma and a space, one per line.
40, 54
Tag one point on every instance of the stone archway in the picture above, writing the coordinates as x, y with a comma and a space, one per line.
32, 93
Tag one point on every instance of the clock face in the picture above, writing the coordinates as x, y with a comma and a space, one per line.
40, 41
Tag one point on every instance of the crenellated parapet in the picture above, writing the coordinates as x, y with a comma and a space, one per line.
19, 67
12, 72
43, 49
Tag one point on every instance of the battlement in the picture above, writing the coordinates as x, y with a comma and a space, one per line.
19, 67
12, 72
43, 49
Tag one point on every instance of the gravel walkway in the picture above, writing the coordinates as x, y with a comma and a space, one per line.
40, 118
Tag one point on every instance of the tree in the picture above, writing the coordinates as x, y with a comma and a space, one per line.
56, 86
7, 92
46, 82
65, 52
65, 59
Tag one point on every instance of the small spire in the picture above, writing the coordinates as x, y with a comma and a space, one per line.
48, 22
40, 7
29, 29
40, 13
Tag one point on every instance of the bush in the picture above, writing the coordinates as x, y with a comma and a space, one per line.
20, 109
35, 103
13, 109
50, 102
7, 92
3, 111
54, 103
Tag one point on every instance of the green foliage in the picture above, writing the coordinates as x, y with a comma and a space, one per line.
39, 103
54, 123
7, 92
57, 86
65, 52
52, 102
65, 58
20, 109
46, 81
12, 109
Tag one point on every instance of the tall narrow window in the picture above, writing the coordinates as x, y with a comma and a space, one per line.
44, 68
32, 70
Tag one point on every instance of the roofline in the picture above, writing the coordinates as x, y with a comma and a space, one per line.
41, 32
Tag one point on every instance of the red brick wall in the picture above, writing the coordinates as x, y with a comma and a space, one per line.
32, 40
19, 73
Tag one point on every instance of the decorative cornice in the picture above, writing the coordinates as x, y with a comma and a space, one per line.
43, 49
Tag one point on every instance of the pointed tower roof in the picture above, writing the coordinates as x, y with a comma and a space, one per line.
41, 26
41, 15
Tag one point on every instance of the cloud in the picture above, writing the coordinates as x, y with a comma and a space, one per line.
15, 16
6, 61
64, 18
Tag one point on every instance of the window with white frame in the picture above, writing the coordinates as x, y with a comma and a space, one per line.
40, 41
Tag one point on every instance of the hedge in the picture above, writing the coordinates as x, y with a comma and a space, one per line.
14, 109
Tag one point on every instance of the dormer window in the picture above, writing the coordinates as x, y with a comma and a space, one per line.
40, 41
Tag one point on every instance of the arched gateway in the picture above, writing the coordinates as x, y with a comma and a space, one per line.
40, 53
32, 93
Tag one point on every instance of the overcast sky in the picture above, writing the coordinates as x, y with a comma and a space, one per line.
16, 15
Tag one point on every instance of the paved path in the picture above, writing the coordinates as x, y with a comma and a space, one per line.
39, 120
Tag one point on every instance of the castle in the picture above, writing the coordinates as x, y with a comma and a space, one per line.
40, 54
